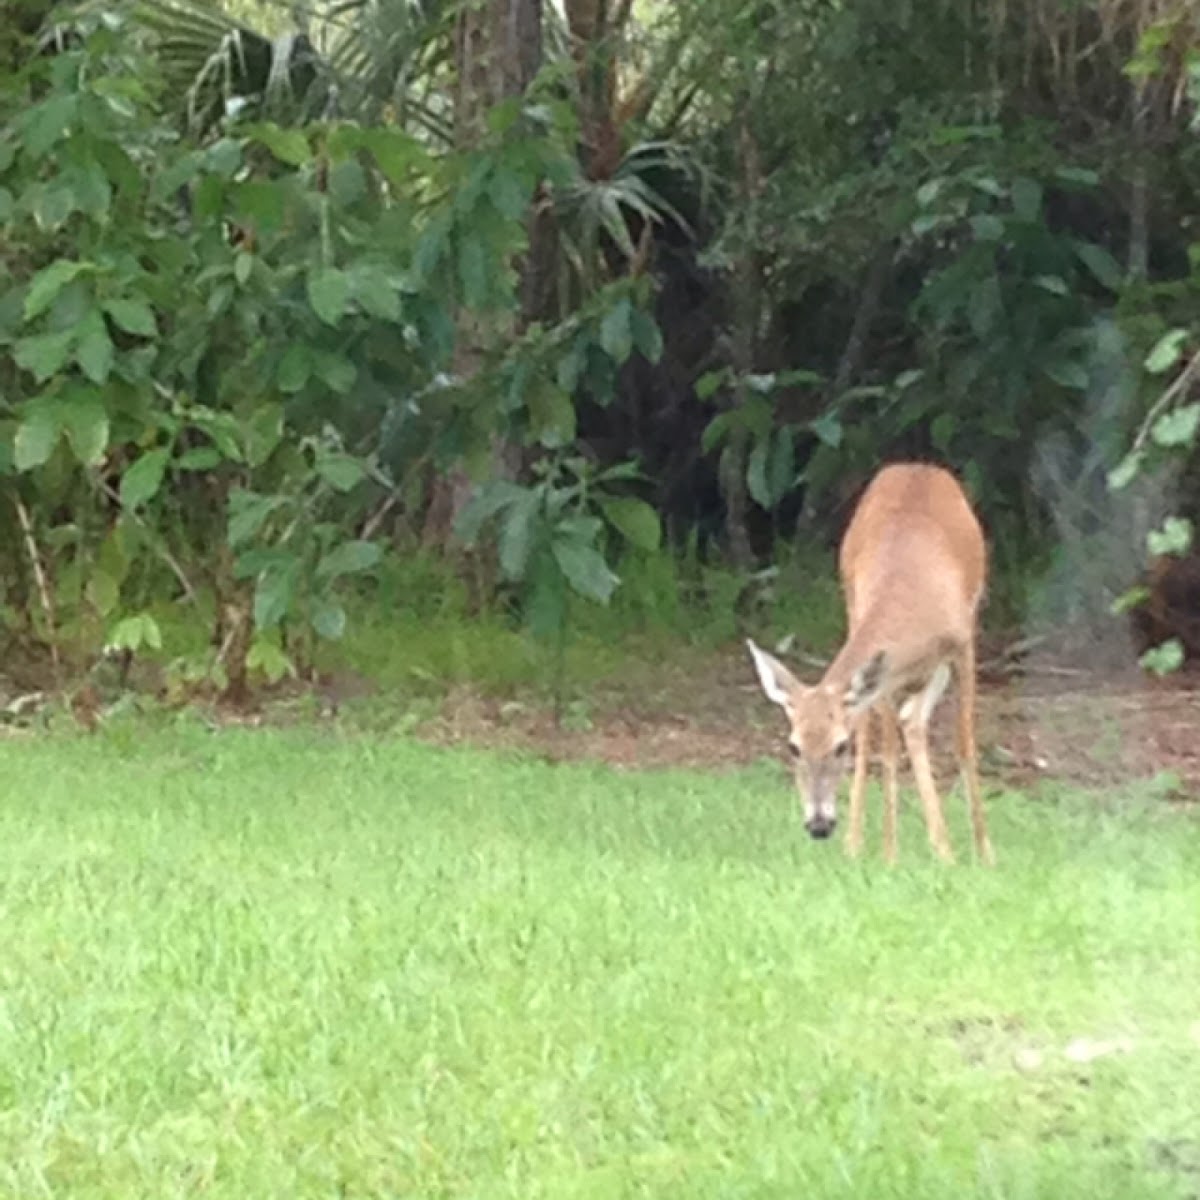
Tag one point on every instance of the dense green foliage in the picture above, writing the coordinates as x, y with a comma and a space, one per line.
271, 303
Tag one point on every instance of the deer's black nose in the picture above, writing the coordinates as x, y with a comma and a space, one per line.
821, 827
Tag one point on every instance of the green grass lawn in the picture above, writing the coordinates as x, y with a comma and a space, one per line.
249, 964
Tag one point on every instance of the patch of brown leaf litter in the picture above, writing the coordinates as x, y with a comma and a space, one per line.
1094, 730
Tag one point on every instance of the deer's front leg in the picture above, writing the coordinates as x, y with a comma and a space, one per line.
858, 786
891, 794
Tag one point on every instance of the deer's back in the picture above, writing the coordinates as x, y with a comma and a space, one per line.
914, 552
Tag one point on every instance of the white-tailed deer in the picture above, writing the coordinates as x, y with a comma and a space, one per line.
913, 565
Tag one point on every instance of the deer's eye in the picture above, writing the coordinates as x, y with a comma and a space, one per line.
794, 751
842, 748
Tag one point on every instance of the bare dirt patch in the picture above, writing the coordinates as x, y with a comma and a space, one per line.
1089, 729
1057, 721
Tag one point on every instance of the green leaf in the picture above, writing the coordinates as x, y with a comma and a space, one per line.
517, 533
1101, 264
1165, 658
44, 354
132, 633
1054, 284
341, 471
431, 248
261, 203
48, 282
243, 264
329, 293
781, 464
584, 568
347, 183
86, 424
1027, 198
398, 154
262, 433
987, 227
637, 522
545, 596
1178, 427
141, 481
942, 430
1068, 374
929, 191
103, 592
710, 382
224, 157
329, 620
273, 594
95, 350
616, 331
1127, 601
132, 315
756, 475
248, 512
37, 434
1078, 175
295, 367
1124, 473
489, 500
376, 293
53, 203
1166, 351
350, 558
719, 429
472, 271
92, 191
222, 428
1175, 537
551, 414
647, 337
268, 659
7, 205
203, 458
47, 123
508, 191
829, 430
337, 372
288, 145
989, 187
985, 306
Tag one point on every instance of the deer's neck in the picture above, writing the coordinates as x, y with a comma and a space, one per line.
859, 648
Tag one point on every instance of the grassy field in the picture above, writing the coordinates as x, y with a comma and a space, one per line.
286, 964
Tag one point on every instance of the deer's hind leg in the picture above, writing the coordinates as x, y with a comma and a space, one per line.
914, 721
968, 754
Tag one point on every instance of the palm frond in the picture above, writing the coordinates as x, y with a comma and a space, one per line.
375, 59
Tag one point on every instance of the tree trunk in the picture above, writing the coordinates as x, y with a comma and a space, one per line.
1139, 192
498, 48
864, 318
593, 26
748, 280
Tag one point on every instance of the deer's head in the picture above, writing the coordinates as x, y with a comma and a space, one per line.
822, 719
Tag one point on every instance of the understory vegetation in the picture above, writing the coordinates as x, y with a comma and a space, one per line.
288, 964
558, 299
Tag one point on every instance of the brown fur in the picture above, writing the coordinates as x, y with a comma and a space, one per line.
913, 566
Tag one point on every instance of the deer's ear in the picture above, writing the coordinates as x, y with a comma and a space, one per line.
866, 684
777, 681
